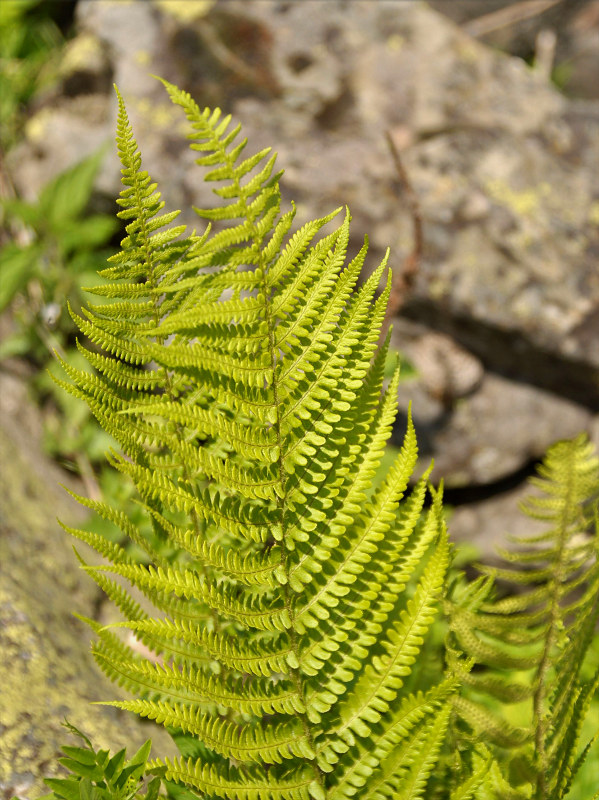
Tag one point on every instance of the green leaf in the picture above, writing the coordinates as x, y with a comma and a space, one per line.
67, 195
68, 789
17, 266
86, 234
290, 577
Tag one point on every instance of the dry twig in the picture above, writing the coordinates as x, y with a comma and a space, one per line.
510, 15
404, 278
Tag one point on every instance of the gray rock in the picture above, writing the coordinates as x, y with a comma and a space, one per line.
479, 426
502, 163
579, 59
445, 370
488, 523
572, 28
85, 67
514, 30
502, 428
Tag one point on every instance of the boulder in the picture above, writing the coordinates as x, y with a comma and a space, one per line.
559, 37
504, 166
488, 523
502, 163
480, 427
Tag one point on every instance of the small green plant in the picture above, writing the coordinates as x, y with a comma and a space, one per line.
292, 591
60, 247
57, 246
95, 775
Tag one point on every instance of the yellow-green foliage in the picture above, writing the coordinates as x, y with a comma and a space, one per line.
240, 373
98, 776
531, 646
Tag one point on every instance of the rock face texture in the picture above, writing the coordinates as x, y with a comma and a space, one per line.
47, 673
503, 318
519, 29
503, 164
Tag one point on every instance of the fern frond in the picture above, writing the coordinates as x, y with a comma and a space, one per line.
241, 375
251, 783
544, 631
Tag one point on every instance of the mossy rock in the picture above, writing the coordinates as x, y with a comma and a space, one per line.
46, 670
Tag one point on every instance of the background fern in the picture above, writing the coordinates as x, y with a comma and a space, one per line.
531, 646
239, 372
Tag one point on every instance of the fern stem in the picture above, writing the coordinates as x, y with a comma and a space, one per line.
295, 673
540, 693
281, 502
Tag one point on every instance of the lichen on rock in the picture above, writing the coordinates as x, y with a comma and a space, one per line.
46, 670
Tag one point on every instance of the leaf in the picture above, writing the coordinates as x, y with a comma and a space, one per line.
64, 788
67, 195
86, 234
17, 266
543, 632
289, 591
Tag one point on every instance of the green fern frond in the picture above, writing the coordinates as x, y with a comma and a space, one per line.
241, 374
544, 631
249, 783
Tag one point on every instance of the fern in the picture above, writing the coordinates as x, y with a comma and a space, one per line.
240, 374
531, 646
95, 775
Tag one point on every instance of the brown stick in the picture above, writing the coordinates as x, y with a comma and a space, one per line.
504, 17
225, 56
404, 278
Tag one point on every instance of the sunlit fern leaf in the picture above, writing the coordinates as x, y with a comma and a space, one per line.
531, 646
242, 376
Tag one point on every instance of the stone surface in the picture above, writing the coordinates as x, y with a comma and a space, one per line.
488, 523
47, 673
479, 426
580, 58
492, 433
506, 25
502, 428
445, 370
503, 165
572, 26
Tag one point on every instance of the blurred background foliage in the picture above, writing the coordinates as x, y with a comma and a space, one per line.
30, 44
51, 247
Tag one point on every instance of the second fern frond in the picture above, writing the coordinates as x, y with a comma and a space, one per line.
531, 645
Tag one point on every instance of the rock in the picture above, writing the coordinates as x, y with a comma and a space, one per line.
488, 523
85, 67
479, 426
502, 163
46, 672
500, 429
446, 370
578, 64
513, 26
58, 137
